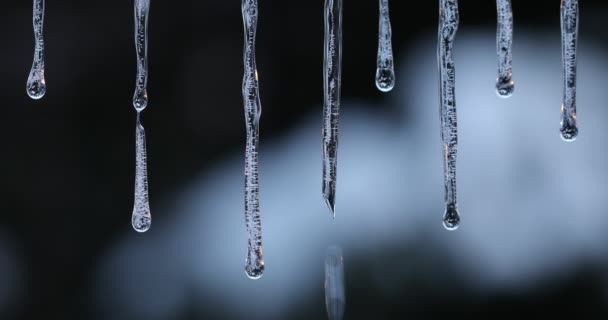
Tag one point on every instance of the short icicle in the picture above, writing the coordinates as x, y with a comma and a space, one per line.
335, 297
504, 41
385, 70
448, 25
36, 84
254, 263
332, 64
141, 218
569, 24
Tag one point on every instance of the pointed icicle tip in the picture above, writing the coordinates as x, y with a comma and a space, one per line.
331, 204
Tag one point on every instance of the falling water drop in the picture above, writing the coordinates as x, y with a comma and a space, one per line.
141, 218
335, 298
36, 85
254, 266
504, 40
385, 71
569, 24
332, 64
448, 26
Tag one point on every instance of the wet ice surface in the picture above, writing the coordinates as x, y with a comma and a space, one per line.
548, 229
254, 266
141, 218
36, 84
448, 26
385, 69
335, 297
569, 23
332, 65
504, 42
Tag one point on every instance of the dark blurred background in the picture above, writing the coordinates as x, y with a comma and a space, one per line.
67, 250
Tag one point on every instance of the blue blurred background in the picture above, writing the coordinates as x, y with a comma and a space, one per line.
532, 240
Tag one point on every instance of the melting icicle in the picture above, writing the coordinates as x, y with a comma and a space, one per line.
251, 99
332, 64
335, 299
448, 25
36, 85
504, 39
569, 22
385, 71
141, 219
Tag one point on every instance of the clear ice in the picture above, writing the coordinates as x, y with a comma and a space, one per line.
448, 25
254, 266
332, 65
504, 40
569, 24
36, 85
335, 298
385, 70
141, 218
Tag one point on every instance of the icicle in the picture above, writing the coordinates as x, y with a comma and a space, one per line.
448, 25
36, 85
504, 39
335, 298
331, 107
141, 219
385, 70
251, 98
569, 22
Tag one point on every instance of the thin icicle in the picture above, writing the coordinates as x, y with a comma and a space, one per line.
36, 85
569, 23
448, 25
331, 107
504, 40
141, 218
385, 70
251, 98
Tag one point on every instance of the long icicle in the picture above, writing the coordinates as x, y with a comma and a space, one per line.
385, 70
251, 99
141, 218
448, 25
332, 64
504, 40
36, 84
569, 24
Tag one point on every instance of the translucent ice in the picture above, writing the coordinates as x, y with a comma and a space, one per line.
504, 40
448, 25
141, 218
254, 266
385, 70
335, 298
331, 107
36, 85
569, 23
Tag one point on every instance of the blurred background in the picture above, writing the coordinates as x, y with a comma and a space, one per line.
532, 240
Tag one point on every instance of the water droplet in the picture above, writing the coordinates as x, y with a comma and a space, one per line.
256, 272
451, 218
505, 87
385, 79
36, 87
141, 222
569, 132
140, 99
